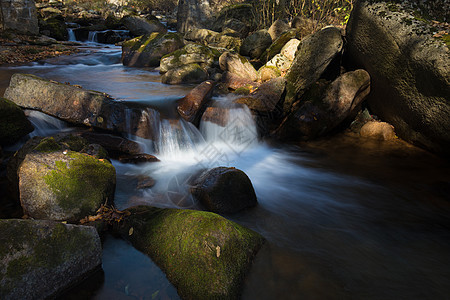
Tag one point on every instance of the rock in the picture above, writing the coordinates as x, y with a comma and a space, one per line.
244, 12
115, 145
201, 35
79, 106
189, 54
290, 48
191, 73
278, 28
378, 130
138, 158
54, 27
111, 36
305, 25
224, 190
325, 106
266, 73
203, 254
410, 70
147, 50
192, 106
238, 26
13, 123
315, 53
145, 182
233, 81
255, 44
278, 44
64, 185
44, 41
280, 62
223, 40
140, 26
20, 16
39, 259
239, 65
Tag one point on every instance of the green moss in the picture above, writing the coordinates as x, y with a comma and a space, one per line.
47, 145
242, 91
278, 44
13, 122
73, 142
203, 254
446, 39
82, 180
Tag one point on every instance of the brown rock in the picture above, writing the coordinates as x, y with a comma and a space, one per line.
378, 130
191, 107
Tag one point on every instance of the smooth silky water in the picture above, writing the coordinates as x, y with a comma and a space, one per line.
343, 219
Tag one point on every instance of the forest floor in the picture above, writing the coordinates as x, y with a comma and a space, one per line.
22, 48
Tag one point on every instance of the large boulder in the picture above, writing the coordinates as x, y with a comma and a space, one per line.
238, 65
192, 106
278, 44
410, 70
13, 122
39, 259
201, 35
140, 26
243, 12
147, 50
190, 73
203, 254
19, 15
189, 54
224, 190
278, 28
64, 185
325, 106
256, 43
80, 106
315, 53
55, 27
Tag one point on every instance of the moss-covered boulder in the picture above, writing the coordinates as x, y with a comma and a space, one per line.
278, 44
409, 66
324, 106
255, 44
203, 254
147, 50
13, 122
224, 190
191, 73
190, 54
39, 259
223, 40
141, 26
192, 106
201, 35
315, 53
64, 185
238, 65
55, 27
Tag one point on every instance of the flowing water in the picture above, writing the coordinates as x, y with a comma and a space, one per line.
343, 219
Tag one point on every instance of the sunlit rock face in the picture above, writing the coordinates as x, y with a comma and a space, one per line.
19, 15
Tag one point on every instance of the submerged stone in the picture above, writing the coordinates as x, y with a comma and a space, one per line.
39, 259
203, 254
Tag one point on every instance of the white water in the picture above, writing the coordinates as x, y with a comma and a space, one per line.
72, 37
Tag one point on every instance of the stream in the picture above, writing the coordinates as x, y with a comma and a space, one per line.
343, 218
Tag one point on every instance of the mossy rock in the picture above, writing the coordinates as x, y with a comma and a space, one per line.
243, 12
191, 53
13, 122
191, 73
64, 185
56, 27
203, 254
39, 259
278, 44
147, 50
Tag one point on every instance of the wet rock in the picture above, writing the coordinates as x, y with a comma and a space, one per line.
278, 28
255, 44
145, 182
141, 26
64, 185
13, 122
111, 36
410, 70
238, 65
20, 16
189, 54
203, 254
138, 158
378, 130
55, 27
325, 106
315, 53
224, 190
191, 73
115, 145
96, 151
147, 50
233, 81
192, 106
39, 259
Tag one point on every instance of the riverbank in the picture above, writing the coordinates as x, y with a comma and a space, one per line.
15, 48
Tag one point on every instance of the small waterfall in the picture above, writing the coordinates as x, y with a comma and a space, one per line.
72, 37
92, 37
45, 125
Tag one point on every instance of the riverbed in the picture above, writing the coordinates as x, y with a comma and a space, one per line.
344, 218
